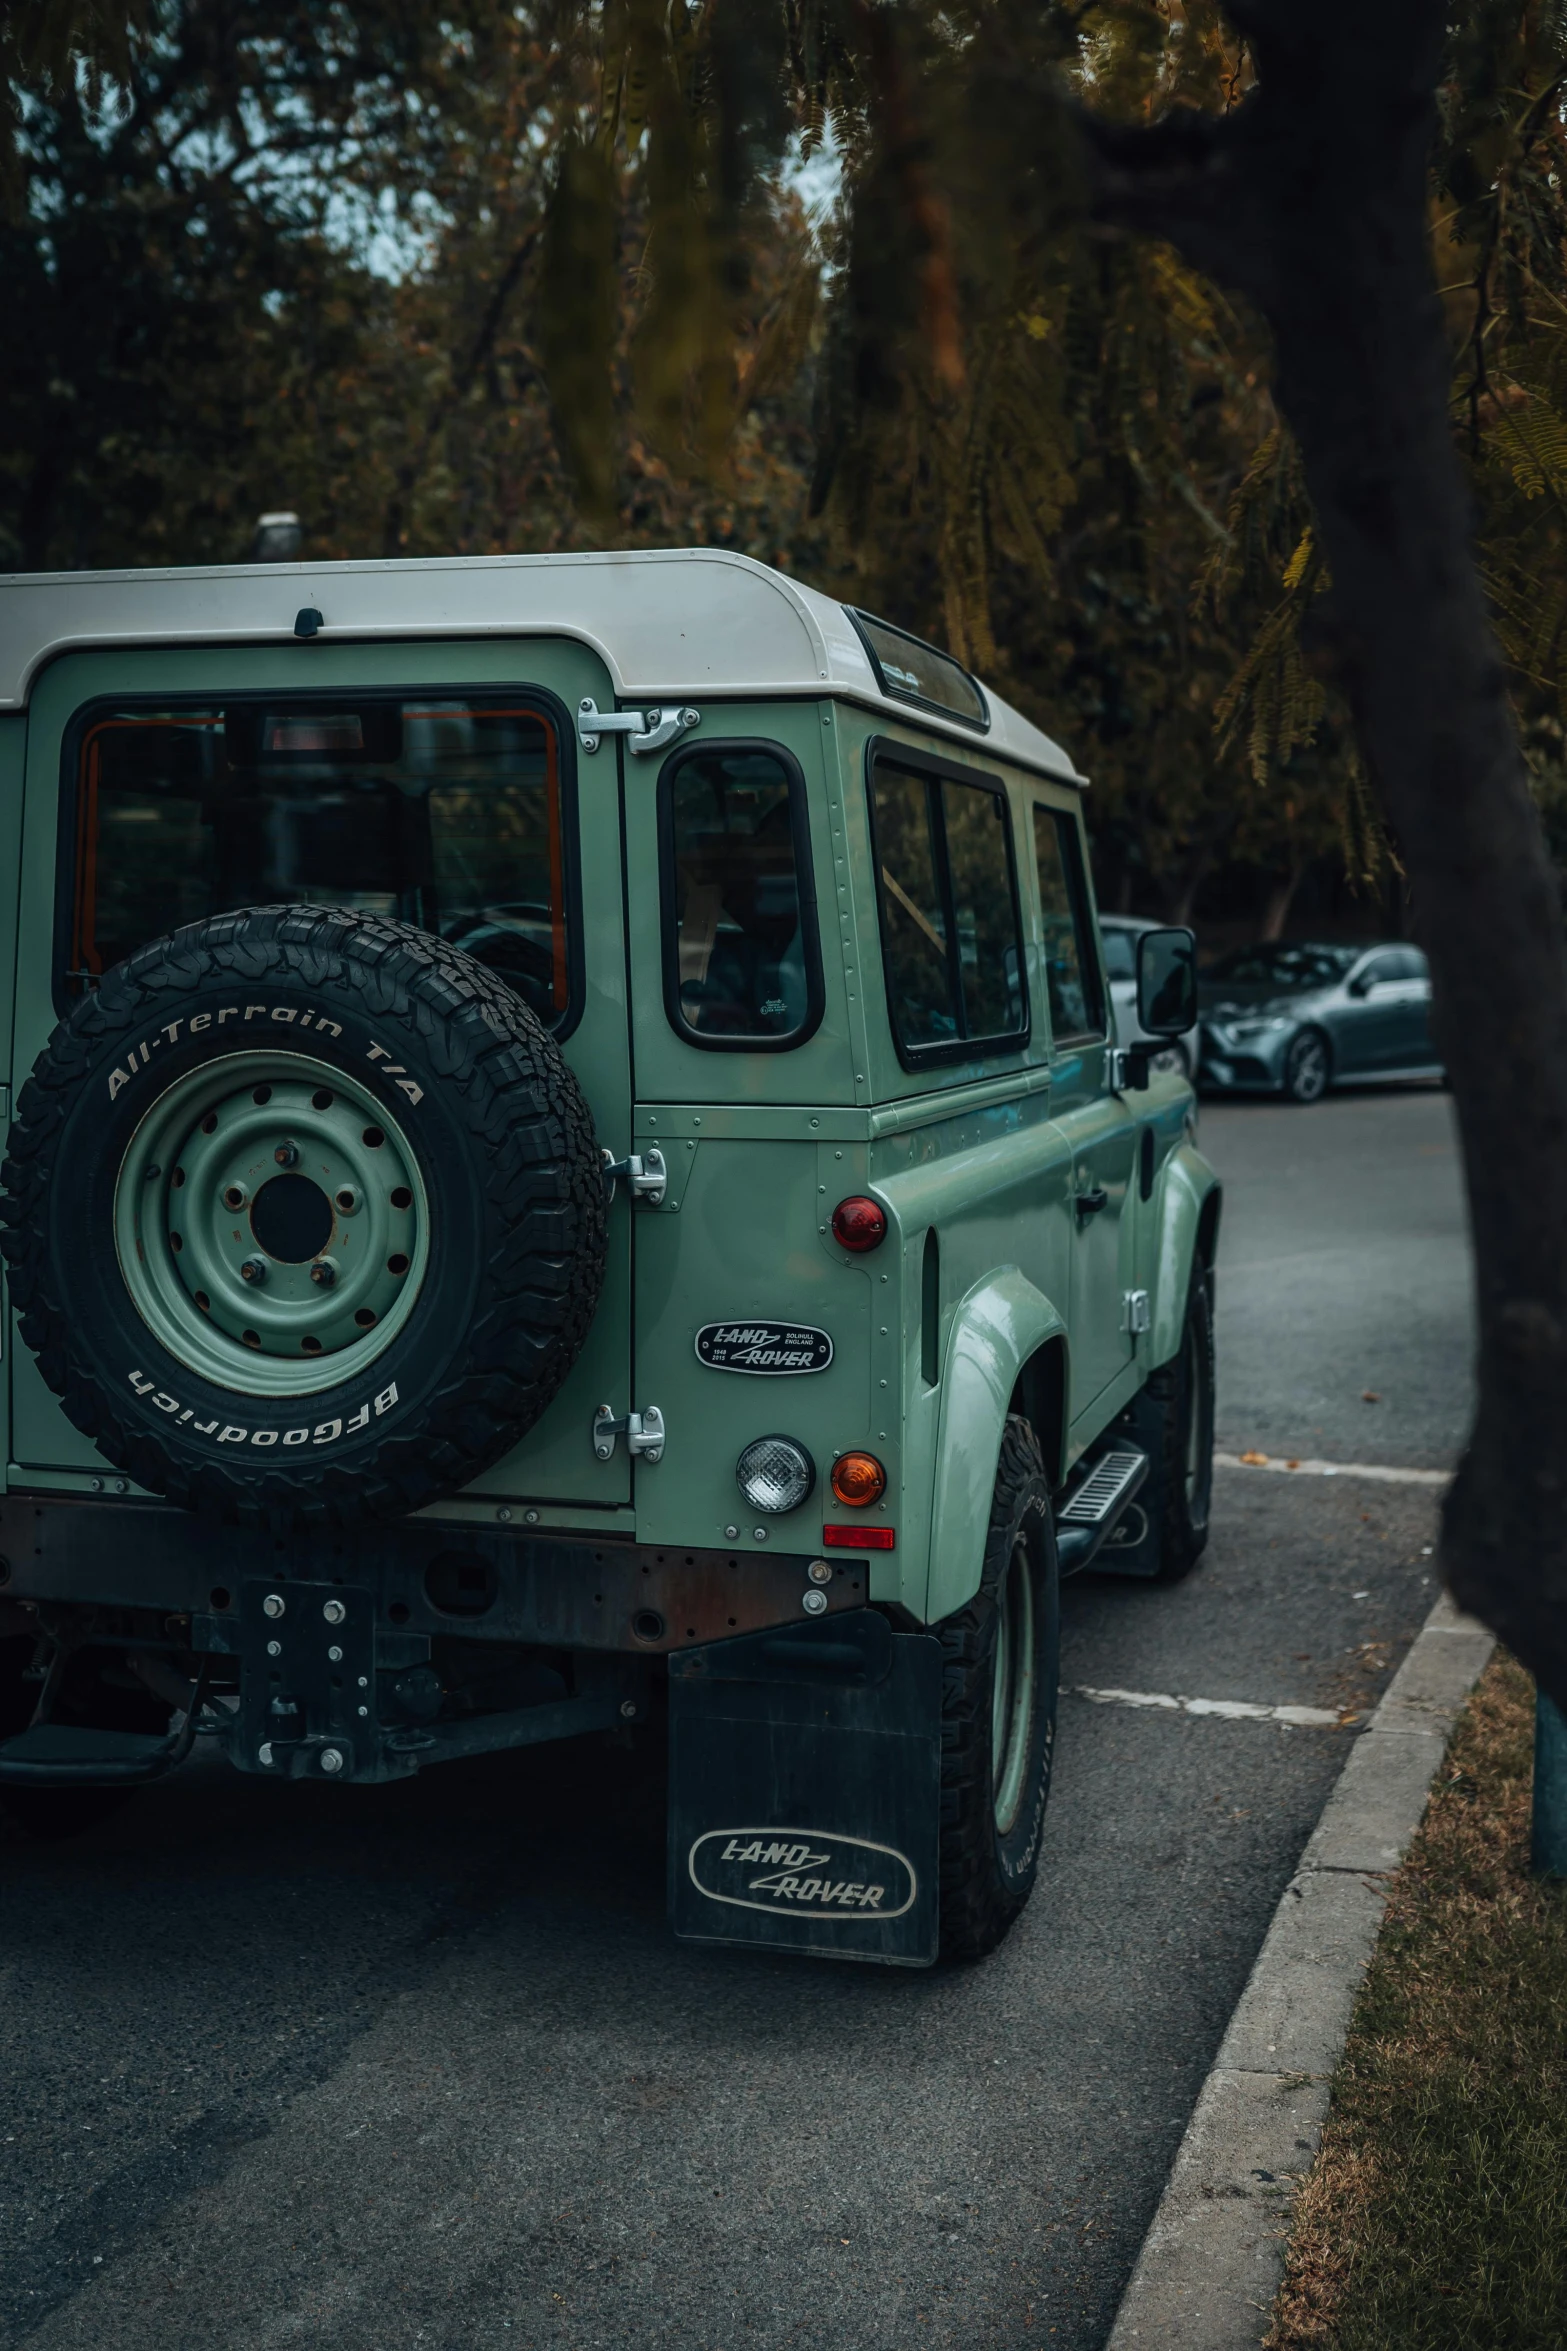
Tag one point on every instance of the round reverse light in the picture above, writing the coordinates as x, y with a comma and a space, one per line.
859, 1224
775, 1474
858, 1480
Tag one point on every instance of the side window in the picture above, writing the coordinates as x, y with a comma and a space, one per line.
1071, 966
742, 968
951, 939
445, 812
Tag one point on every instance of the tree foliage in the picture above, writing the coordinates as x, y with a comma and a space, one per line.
541, 275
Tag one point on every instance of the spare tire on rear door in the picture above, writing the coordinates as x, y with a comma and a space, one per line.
304, 1215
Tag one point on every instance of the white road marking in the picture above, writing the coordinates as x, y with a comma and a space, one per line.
1335, 1469
1228, 1709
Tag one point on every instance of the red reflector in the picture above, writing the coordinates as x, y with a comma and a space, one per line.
858, 1538
858, 1223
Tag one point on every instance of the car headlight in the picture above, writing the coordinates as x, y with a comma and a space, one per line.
775, 1474
1259, 1028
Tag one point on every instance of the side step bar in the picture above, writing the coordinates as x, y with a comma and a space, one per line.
1095, 1506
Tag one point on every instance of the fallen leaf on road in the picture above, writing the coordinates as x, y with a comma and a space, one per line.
1260, 1460
1369, 1396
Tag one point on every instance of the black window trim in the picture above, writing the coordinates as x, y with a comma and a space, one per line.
980, 725
1078, 891
324, 697
805, 871
935, 769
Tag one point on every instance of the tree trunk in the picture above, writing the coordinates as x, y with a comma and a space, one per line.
1312, 199
1281, 898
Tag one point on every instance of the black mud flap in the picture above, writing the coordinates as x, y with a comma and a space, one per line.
805, 1791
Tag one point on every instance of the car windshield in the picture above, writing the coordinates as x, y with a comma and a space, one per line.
1287, 970
1120, 958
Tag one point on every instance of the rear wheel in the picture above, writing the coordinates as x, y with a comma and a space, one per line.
999, 1686
1308, 1066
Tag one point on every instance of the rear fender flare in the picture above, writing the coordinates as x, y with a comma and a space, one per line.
1187, 1202
998, 1327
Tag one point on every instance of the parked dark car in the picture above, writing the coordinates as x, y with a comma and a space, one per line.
1297, 1019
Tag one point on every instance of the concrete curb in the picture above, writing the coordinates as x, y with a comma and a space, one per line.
1212, 2260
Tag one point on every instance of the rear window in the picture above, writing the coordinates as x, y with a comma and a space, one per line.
442, 811
742, 969
951, 942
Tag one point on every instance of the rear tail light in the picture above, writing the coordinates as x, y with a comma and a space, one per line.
859, 1224
857, 1538
858, 1480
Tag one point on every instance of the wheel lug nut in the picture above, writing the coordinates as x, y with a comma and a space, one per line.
287, 1154
324, 1272
254, 1269
234, 1196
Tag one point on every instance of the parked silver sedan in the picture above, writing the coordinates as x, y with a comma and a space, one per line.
1296, 1020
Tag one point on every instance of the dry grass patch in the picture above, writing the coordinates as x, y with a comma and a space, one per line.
1435, 2215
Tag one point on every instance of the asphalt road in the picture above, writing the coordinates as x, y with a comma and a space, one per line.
369, 2069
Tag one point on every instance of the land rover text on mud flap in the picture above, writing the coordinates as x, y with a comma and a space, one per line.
567, 1171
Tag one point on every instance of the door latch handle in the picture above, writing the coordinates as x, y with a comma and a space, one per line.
643, 1173
644, 730
1089, 1203
643, 1432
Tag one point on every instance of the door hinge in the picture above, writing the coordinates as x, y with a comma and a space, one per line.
643, 1432
644, 730
1136, 1312
643, 1172
1126, 1068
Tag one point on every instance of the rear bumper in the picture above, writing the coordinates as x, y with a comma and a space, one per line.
495, 1583
366, 1656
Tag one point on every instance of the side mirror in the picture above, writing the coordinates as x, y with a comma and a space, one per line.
1361, 985
1166, 982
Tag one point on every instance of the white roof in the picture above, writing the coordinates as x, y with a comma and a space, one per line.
675, 624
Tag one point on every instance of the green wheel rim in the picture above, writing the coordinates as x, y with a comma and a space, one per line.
271, 1224
1012, 1689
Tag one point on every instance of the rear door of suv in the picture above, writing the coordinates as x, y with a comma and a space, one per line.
441, 784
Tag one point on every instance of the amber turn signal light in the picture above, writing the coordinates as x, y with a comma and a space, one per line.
858, 1480
859, 1224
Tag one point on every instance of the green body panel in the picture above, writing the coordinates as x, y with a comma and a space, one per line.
996, 1330
1185, 1186
931, 1344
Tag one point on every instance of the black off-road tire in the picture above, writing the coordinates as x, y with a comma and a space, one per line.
987, 1874
1181, 1393
494, 1126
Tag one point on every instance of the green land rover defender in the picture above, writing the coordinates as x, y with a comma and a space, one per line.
568, 1171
